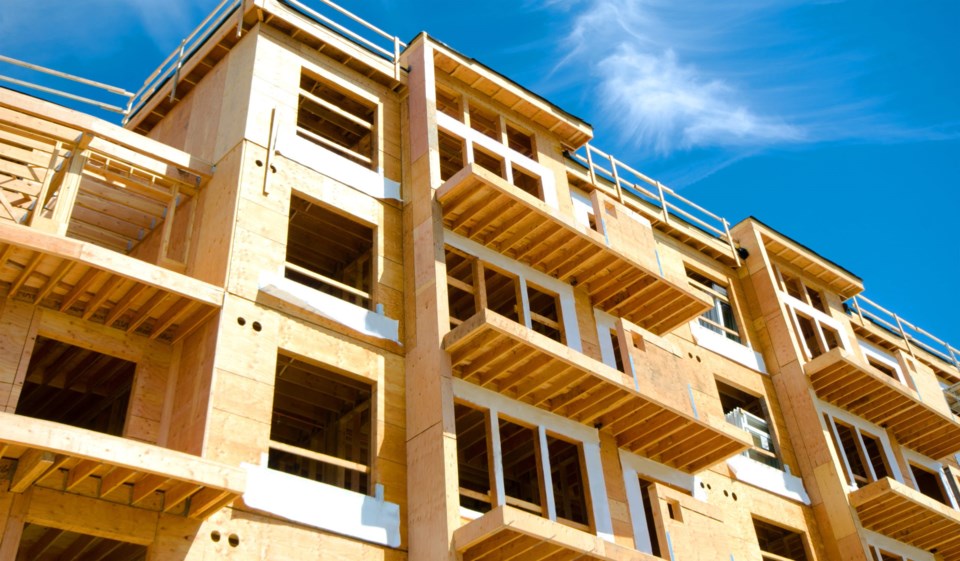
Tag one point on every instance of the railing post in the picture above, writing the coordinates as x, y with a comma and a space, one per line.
239, 18
616, 178
904, 335
663, 203
176, 75
953, 356
733, 248
396, 58
590, 170
856, 304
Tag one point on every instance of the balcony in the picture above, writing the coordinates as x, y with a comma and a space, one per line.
509, 534
485, 208
96, 221
494, 352
866, 392
61, 457
893, 509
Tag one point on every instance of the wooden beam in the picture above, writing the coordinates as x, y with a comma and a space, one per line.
31, 465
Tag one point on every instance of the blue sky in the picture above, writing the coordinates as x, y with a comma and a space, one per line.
836, 123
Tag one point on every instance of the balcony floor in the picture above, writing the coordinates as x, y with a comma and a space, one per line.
101, 285
839, 379
71, 459
494, 352
508, 534
891, 508
485, 208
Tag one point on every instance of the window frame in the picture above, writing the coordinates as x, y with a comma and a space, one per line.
321, 457
358, 95
719, 299
829, 411
806, 308
915, 459
495, 407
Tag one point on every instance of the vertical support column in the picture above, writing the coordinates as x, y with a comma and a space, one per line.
13, 509
822, 475
433, 501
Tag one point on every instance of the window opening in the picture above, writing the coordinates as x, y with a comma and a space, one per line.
886, 369
545, 313
321, 426
77, 387
503, 294
448, 102
929, 483
330, 252
527, 459
461, 293
473, 458
451, 155
863, 454
720, 318
527, 183
566, 472
777, 544
488, 161
485, 121
881, 555
646, 488
520, 141
522, 477
617, 357
334, 118
750, 414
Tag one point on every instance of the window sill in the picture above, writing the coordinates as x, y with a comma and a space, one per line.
350, 315
323, 506
770, 479
732, 350
337, 167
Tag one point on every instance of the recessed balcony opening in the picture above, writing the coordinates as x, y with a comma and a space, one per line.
545, 313
448, 102
330, 252
321, 425
488, 161
566, 472
77, 387
503, 294
779, 544
520, 141
528, 183
617, 351
749, 412
522, 472
41, 543
451, 155
929, 484
485, 121
473, 458
646, 488
336, 119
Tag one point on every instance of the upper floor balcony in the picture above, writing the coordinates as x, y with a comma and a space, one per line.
895, 510
96, 221
867, 392
616, 262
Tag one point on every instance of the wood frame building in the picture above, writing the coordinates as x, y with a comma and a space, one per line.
327, 295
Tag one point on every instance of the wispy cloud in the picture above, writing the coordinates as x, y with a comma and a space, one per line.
737, 76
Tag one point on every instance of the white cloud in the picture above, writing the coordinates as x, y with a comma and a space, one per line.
663, 105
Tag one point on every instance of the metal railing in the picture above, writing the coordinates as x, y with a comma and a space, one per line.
383, 44
632, 184
70, 77
759, 429
910, 333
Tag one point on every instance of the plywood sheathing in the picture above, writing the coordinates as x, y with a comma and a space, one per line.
840, 379
570, 131
509, 534
485, 208
893, 509
494, 352
822, 475
434, 510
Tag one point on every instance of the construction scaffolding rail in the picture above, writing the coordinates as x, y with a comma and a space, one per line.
630, 183
910, 333
70, 77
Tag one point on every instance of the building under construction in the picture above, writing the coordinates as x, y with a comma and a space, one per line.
328, 295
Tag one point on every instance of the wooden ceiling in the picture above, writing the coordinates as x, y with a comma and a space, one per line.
39, 543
